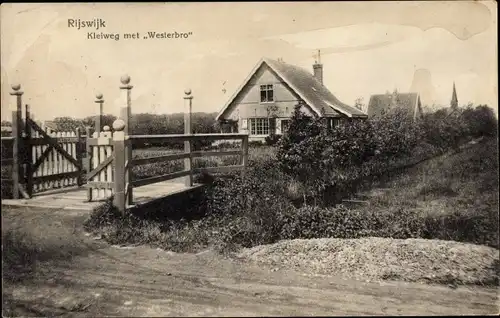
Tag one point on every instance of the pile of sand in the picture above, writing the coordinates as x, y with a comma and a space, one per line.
415, 260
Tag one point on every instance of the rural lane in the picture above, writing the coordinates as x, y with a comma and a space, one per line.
97, 279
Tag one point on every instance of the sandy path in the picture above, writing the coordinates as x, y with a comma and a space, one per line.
100, 279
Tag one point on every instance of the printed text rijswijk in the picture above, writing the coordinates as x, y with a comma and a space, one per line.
80, 24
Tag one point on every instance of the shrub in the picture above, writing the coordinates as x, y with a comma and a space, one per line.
272, 140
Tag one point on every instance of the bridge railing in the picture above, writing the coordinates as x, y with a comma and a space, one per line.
124, 181
188, 155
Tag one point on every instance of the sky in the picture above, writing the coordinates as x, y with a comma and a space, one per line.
366, 48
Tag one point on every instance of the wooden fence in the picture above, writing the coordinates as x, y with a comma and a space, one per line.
43, 160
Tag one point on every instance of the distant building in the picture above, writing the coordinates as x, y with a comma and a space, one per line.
383, 103
50, 125
266, 100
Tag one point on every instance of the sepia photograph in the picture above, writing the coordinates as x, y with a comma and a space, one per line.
249, 159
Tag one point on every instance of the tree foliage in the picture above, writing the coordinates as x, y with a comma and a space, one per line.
321, 158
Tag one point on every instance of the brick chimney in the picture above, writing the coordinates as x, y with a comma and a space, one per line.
318, 68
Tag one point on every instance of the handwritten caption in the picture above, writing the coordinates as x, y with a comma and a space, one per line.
96, 25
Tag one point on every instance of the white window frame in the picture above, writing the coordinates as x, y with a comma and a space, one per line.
258, 126
267, 88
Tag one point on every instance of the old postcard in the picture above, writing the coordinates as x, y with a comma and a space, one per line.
249, 158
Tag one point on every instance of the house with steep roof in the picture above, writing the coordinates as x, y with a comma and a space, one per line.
265, 101
384, 103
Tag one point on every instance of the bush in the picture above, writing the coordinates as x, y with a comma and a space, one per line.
272, 140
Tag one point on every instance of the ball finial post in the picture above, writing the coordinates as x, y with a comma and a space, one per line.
106, 128
125, 79
118, 125
99, 96
187, 91
16, 87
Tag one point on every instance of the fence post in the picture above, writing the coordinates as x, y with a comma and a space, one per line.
17, 145
28, 155
244, 155
79, 153
88, 159
98, 118
125, 114
119, 199
188, 162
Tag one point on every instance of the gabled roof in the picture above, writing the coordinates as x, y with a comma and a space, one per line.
306, 86
384, 102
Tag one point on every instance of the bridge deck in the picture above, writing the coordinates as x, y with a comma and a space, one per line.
76, 198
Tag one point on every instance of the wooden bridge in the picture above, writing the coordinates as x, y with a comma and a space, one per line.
69, 170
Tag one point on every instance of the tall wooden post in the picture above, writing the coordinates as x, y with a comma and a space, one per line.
188, 162
244, 155
119, 199
79, 157
28, 155
88, 160
125, 114
17, 125
98, 117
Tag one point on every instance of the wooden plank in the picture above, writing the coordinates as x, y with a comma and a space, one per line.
99, 167
109, 170
170, 176
29, 155
51, 161
88, 159
95, 163
17, 145
66, 163
99, 185
244, 155
44, 167
168, 157
79, 156
220, 169
102, 173
60, 160
119, 199
63, 139
188, 162
53, 142
196, 154
41, 159
177, 137
53, 177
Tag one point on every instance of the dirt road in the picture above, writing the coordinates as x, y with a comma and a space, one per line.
92, 278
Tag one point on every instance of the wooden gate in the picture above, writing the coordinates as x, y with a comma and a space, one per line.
52, 159
100, 162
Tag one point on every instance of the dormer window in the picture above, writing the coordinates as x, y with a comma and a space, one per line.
266, 93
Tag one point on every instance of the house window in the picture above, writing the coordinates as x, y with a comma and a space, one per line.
266, 93
259, 126
335, 122
285, 123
